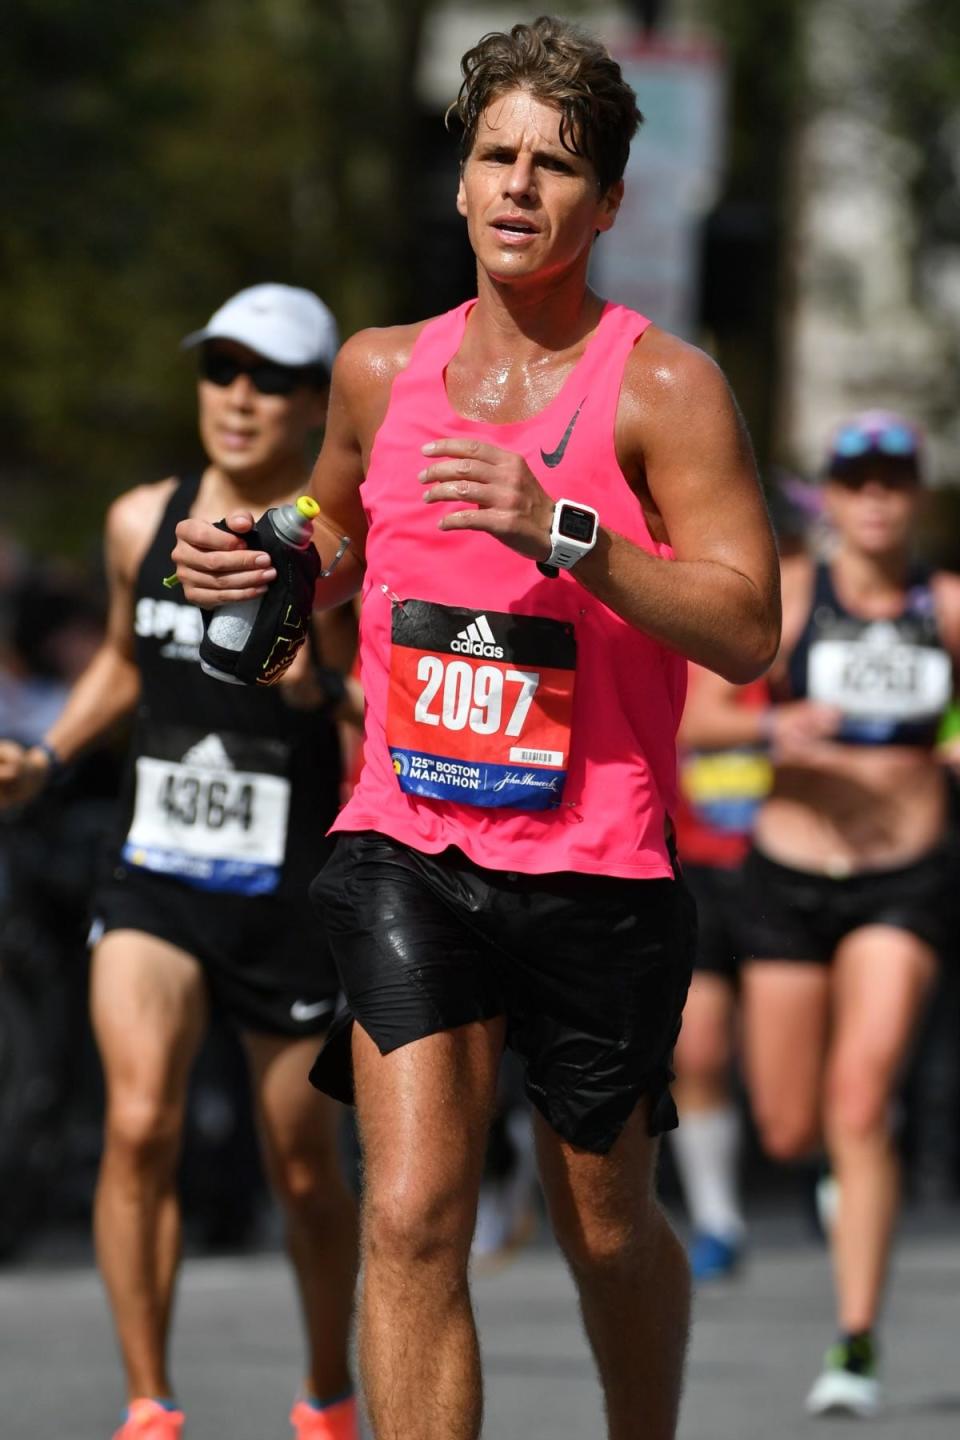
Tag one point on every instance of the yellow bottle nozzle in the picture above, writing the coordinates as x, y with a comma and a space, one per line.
308, 507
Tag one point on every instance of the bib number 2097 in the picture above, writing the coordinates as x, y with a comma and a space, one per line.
474, 697
480, 705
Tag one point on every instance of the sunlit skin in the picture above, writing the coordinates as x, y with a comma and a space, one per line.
532, 208
533, 212
252, 437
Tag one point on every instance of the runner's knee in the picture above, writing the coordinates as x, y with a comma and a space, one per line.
143, 1130
791, 1135
857, 1105
592, 1241
410, 1227
310, 1186
597, 1247
594, 1249
703, 1053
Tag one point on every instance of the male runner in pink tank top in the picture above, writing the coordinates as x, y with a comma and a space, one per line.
504, 870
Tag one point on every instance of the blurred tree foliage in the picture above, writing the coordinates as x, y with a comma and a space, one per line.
922, 79
156, 157
906, 77
896, 70
748, 238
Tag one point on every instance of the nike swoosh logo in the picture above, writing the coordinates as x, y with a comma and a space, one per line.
553, 457
302, 1010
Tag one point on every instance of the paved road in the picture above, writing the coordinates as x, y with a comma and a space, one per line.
754, 1350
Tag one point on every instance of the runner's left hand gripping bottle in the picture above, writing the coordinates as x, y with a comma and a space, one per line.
252, 642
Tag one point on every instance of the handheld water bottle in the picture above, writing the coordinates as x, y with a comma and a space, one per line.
252, 642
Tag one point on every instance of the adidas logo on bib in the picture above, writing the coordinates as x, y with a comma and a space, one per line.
208, 753
477, 639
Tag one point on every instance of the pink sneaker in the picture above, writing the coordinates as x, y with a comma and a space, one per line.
333, 1422
149, 1420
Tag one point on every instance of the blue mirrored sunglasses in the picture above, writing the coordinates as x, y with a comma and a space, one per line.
897, 441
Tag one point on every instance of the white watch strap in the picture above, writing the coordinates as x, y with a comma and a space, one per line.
565, 551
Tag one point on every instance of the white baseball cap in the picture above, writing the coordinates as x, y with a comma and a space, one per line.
280, 322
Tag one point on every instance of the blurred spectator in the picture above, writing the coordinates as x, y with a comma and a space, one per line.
50, 624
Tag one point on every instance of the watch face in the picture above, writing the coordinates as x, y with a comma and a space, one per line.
576, 524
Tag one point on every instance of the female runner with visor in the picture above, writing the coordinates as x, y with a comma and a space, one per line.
847, 884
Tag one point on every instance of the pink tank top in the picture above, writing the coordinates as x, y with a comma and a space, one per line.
509, 714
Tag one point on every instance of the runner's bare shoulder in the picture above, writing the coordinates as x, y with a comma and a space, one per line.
132, 521
665, 371
675, 401
366, 367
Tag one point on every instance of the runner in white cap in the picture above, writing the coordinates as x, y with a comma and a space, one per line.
279, 322
229, 792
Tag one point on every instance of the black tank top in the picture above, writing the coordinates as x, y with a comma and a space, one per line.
228, 788
892, 678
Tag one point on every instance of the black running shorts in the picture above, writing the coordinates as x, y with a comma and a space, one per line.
265, 959
718, 892
801, 915
590, 971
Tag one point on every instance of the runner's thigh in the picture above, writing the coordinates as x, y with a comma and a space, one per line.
148, 1004
785, 1027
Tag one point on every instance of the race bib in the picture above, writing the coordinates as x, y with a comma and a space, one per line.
480, 705
211, 810
879, 675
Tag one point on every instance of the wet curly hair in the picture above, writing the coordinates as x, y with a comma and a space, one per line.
558, 64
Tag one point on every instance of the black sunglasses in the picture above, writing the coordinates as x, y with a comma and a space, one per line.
266, 376
896, 475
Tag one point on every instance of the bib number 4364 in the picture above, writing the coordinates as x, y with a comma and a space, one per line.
189, 800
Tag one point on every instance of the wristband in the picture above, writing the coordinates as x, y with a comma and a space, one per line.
333, 685
55, 766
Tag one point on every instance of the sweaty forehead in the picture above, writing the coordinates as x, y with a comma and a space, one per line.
522, 119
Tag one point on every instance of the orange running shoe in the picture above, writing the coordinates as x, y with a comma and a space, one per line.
150, 1420
338, 1421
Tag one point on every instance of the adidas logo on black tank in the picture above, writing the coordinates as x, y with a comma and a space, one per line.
478, 639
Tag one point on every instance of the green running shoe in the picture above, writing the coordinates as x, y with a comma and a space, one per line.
848, 1383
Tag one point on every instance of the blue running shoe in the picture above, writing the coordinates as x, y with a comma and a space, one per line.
713, 1258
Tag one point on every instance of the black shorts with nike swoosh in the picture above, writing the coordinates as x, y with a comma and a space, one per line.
266, 960
591, 973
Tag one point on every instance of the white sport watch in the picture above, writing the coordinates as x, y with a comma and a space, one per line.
573, 534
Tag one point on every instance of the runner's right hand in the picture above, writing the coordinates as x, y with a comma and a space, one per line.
215, 567
799, 724
23, 773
